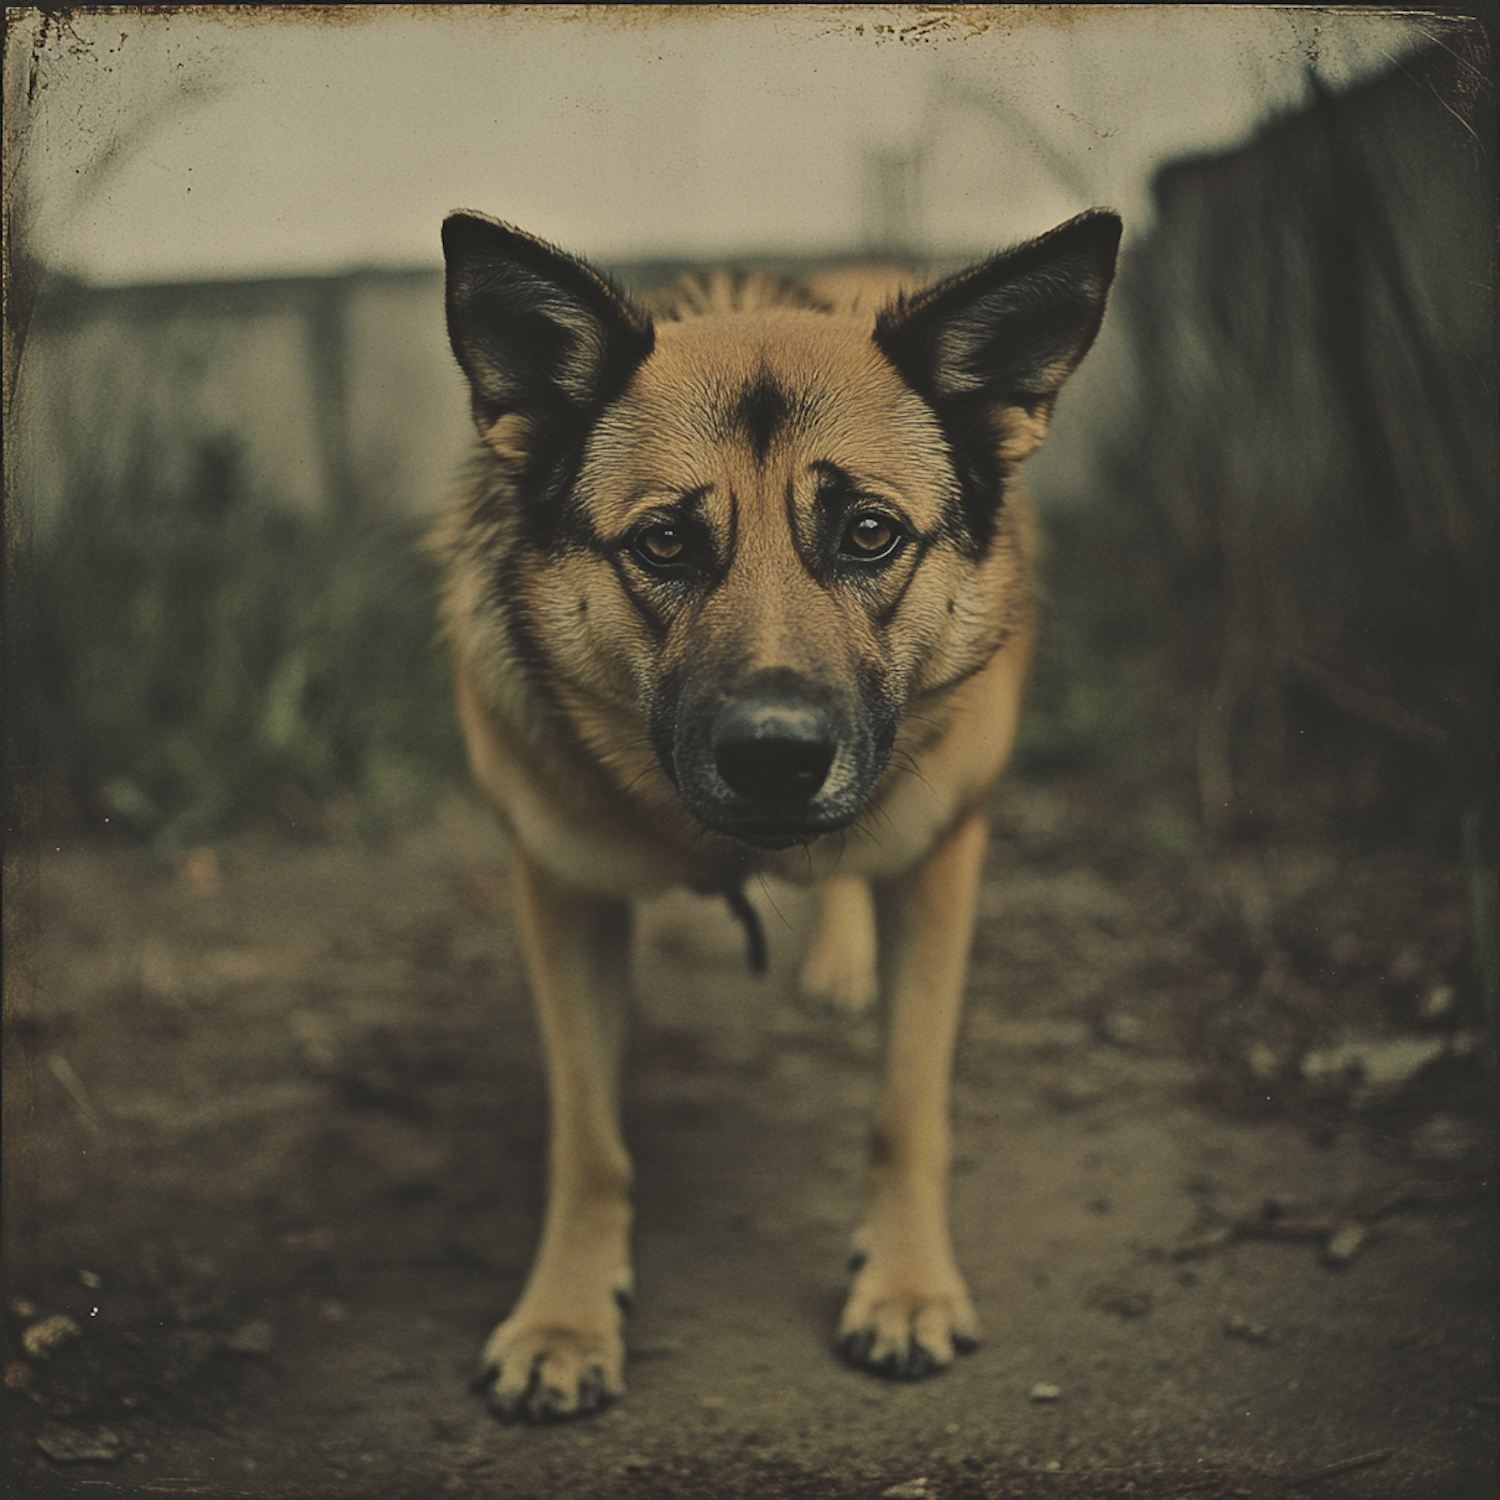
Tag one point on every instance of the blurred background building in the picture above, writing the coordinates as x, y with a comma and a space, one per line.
234, 218
225, 299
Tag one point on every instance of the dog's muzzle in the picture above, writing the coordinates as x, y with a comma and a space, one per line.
772, 765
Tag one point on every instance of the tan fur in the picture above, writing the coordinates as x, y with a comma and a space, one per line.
570, 768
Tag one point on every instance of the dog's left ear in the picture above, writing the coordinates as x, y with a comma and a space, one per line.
990, 348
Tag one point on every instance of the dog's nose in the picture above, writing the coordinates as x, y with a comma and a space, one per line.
774, 750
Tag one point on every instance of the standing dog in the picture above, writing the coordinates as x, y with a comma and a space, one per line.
742, 586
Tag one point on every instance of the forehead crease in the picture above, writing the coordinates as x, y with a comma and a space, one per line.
724, 406
763, 406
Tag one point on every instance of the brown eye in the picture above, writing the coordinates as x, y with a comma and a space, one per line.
660, 545
871, 537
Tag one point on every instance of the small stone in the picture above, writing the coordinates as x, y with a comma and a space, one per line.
1045, 1391
911, 1489
1252, 1333
17, 1376
1371, 1065
1344, 1245
92, 1280
42, 1338
1263, 1061
255, 1337
1436, 1002
80, 1445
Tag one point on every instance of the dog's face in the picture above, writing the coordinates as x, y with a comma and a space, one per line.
776, 509
735, 546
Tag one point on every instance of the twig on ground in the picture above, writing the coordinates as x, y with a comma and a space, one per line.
1327, 1471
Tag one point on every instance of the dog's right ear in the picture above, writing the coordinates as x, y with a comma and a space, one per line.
991, 347
545, 340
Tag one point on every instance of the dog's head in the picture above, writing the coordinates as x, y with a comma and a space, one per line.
742, 536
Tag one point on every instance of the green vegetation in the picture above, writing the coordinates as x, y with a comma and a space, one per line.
202, 662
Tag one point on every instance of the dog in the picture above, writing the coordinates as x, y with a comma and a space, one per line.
741, 584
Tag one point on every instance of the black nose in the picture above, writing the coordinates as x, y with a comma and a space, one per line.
774, 750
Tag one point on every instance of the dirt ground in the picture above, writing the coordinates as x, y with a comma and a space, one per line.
1224, 1185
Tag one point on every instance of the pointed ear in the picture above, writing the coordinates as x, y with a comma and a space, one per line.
990, 348
545, 340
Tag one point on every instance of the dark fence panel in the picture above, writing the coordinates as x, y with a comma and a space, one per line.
1308, 440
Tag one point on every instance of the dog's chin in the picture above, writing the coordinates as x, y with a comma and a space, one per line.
773, 833
771, 840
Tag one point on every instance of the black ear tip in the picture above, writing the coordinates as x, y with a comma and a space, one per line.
464, 228
1094, 236
1103, 225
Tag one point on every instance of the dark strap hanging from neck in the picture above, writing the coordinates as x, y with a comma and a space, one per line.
755, 935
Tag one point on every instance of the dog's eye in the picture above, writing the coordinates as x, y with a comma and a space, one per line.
871, 537
660, 545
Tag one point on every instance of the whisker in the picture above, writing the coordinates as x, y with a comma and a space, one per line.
639, 777
843, 846
765, 890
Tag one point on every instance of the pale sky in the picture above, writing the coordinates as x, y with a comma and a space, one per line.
205, 145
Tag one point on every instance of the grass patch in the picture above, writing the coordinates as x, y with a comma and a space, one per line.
202, 665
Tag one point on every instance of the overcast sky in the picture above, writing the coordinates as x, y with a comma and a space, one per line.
213, 144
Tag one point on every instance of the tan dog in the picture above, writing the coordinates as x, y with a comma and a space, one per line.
742, 586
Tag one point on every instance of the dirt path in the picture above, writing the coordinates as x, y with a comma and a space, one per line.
288, 1124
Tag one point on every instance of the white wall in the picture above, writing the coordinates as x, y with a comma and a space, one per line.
215, 144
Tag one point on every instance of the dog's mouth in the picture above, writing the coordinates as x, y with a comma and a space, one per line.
774, 833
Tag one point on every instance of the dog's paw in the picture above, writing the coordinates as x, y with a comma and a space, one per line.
906, 1336
838, 972
547, 1373
827, 984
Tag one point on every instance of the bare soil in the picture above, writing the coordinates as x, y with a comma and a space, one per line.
277, 1169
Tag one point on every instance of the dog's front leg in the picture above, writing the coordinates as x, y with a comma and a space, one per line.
908, 1309
560, 1352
